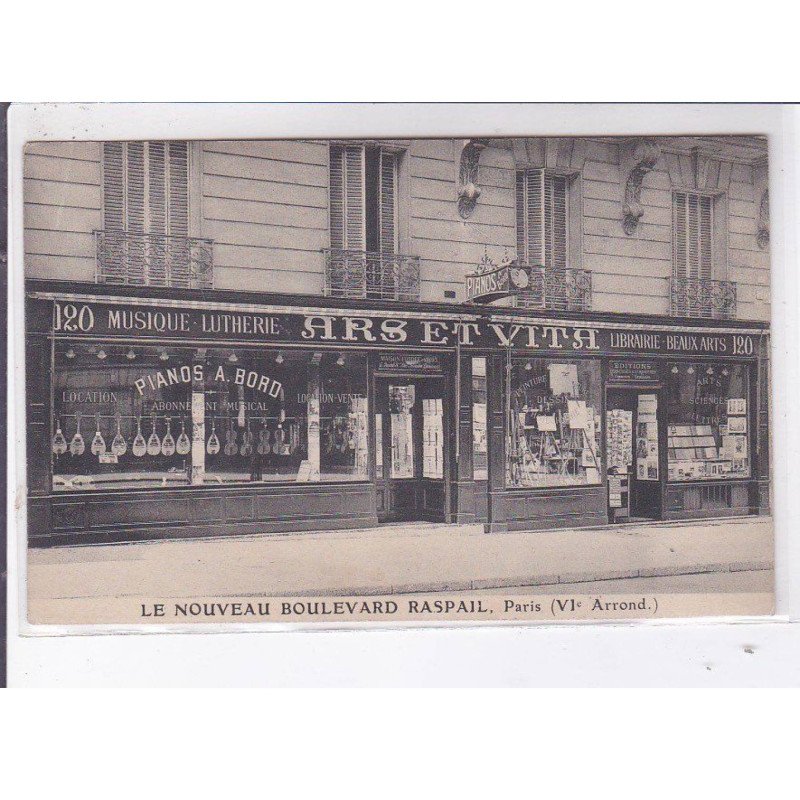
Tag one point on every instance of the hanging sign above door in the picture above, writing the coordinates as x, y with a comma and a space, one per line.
491, 282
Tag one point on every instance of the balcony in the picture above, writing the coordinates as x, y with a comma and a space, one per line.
701, 297
380, 276
557, 289
151, 259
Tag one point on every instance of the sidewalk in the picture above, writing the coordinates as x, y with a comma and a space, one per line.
396, 559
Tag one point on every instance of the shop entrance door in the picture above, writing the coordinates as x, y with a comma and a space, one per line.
409, 448
633, 458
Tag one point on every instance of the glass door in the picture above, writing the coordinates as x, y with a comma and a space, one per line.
409, 448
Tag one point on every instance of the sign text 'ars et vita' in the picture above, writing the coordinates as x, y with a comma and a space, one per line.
186, 324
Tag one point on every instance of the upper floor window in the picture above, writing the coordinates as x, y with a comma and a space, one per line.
363, 198
364, 258
145, 237
698, 286
693, 235
146, 187
549, 240
543, 219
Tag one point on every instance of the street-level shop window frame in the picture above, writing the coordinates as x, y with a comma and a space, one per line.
157, 398
554, 431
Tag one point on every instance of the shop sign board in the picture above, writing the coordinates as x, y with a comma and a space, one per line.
410, 362
628, 371
505, 280
174, 322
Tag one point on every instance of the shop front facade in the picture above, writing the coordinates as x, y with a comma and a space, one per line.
160, 413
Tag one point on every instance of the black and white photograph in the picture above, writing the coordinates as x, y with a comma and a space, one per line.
356, 380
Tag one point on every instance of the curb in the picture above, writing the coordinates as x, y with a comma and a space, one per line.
532, 581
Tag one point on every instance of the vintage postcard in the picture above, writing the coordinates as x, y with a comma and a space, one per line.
397, 380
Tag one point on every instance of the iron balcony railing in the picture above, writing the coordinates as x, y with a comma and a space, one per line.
557, 289
359, 273
701, 297
153, 259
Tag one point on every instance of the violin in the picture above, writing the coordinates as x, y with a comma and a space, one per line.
263, 441
231, 448
277, 448
247, 442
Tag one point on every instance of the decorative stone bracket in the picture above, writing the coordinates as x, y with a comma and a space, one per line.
468, 190
762, 237
645, 154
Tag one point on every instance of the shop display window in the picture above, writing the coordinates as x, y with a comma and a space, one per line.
707, 422
554, 430
160, 417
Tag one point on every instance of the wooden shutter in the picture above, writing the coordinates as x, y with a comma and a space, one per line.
347, 197
692, 239
530, 216
542, 214
178, 187
354, 198
555, 219
114, 186
337, 197
388, 202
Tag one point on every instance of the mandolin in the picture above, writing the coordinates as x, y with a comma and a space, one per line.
212, 447
168, 443
59, 442
77, 445
231, 448
154, 443
119, 446
183, 445
247, 442
98, 443
139, 445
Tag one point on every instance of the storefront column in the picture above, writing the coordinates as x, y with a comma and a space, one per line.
463, 485
37, 366
762, 400
39, 431
495, 419
198, 469
312, 413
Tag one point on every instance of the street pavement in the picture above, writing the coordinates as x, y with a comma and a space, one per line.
398, 559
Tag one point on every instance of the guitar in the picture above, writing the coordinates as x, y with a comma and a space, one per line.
139, 445
231, 448
168, 443
77, 445
119, 446
263, 441
59, 442
212, 447
154, 443
98, 443
247, 442
183, 445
